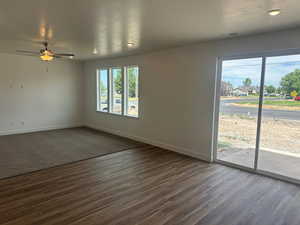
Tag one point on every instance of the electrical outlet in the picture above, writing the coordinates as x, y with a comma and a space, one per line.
22, 123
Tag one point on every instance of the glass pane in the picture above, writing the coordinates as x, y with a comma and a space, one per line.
280, 129
103, 91
132, 91
240, 87
117, 90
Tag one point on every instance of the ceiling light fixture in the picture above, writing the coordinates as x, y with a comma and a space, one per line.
47, 55
274, 12
95, 51
130, 44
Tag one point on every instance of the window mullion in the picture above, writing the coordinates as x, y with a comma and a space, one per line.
110, 90
124, 91
98, 90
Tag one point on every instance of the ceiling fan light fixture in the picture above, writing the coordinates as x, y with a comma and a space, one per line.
47, 56
274, 12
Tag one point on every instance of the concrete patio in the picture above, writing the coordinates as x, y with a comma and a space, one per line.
270, 160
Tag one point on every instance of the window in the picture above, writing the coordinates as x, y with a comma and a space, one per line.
118, 91
258, 118
132, 94
103, 86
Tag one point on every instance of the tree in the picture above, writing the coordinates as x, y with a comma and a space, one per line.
247, 82
226, 88
132, 82
270, 89
103, 87
118, 82
291, 82
279, 90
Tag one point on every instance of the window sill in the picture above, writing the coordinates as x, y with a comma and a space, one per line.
119, 115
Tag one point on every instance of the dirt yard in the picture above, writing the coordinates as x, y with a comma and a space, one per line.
240, 132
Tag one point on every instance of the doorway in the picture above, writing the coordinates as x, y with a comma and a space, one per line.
258, 114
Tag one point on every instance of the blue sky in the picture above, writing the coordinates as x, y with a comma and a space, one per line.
103, 77
235, 71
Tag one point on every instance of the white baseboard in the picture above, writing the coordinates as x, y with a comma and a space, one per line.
37, 129
179, 150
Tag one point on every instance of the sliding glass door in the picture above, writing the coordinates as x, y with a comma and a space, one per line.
280, 126
259, 114
240, 86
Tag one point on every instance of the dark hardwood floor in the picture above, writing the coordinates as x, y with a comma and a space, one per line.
23, 153
147, 186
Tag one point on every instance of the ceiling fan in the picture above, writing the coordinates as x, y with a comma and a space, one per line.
46, 54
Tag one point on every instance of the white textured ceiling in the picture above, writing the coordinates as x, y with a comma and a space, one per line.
80, 26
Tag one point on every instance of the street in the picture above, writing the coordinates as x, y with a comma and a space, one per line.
227, 108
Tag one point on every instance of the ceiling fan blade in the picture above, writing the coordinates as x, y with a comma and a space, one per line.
65, 54
28, 52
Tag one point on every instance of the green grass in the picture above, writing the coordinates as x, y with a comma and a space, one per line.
249, 96
274, 102
223, 144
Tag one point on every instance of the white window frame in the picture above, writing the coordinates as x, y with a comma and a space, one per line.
124, 111
99, 91
112, 90
126, 92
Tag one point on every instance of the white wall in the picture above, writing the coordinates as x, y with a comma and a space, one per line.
33, 99
177, 92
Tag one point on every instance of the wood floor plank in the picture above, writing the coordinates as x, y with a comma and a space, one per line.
146, 186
